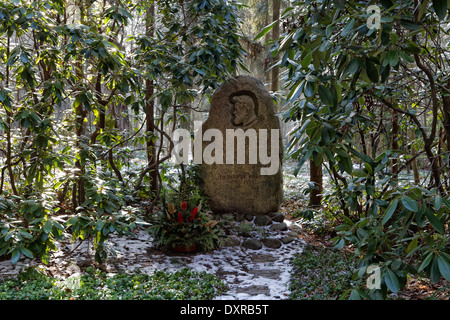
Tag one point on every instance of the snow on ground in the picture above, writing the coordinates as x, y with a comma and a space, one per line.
250, 274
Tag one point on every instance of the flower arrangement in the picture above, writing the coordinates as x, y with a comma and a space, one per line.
185, 229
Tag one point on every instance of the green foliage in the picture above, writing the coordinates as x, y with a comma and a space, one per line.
104, 212
30, 227
321, 274
183, 227
185, 54
183, 182
184, 219
180, 285
36, 230
402, 233
342, 80
245, 228
67, 167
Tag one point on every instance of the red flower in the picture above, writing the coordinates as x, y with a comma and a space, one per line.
193, 214
184, 206
180, 218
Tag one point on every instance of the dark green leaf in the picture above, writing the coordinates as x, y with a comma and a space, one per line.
425, 262
309, 89
340, 4
387, 4
434, 221
265, 30
392, 58
438, 202
325, 136
372, 71
72, 221
286, 42
440, 7
352, 67
48, 226
24, 58
325, 95
385, 73
405, 57
339, 244
354, 295
296, 91
420, 216
423, 8
368, 160
346, 164
412, 245
392, 281
25, 234
389, 211
444, 267
15, 256
410, 204
27, 253
348, 27
409, 25
306, 61
435, 275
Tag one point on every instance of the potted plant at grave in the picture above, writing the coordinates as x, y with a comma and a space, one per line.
185, 229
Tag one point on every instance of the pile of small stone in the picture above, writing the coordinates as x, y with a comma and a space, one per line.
266, 231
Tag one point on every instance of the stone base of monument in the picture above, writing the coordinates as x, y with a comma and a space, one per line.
265, 231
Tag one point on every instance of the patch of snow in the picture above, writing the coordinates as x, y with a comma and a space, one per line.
248, 273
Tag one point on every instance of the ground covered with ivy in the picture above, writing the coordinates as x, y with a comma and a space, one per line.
96, 285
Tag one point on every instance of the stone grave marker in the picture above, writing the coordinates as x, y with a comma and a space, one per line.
242, 149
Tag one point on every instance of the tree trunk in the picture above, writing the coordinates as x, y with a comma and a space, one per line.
80, 113
101, 110
8, 131
275, 36
315, 176
150, 108
8, 153
446, 121
266, 40
395, 132
414, 166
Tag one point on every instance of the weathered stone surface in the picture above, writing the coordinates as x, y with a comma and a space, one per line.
287, 239
276, 216
262, 221
254, 290
263, 258
272, 243
252, 244
279, 227
292, 234
242, 182
266, 273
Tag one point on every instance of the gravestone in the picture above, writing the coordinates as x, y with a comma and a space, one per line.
242, 149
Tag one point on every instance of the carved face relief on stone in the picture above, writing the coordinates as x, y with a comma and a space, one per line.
244, 113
